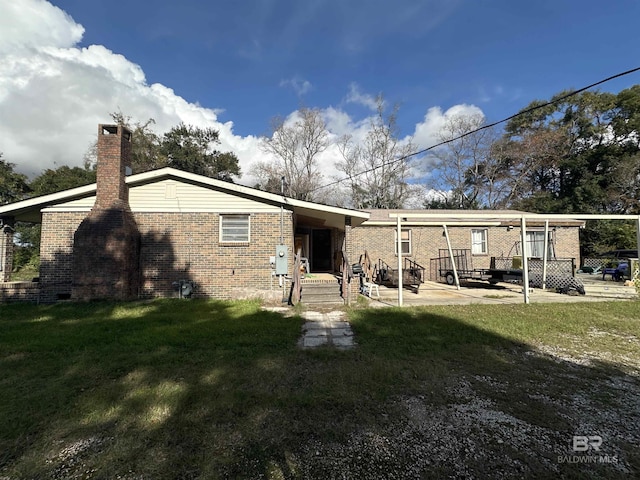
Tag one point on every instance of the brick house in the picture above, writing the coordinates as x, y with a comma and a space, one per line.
135, 236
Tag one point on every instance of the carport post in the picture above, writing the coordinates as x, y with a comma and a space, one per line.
399, 247
545, 254
525, 261
453, 260
637, 241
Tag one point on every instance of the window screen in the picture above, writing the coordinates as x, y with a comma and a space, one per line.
234, 228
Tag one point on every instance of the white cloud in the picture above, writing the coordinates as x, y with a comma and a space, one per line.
359, 98
36, 23
426, 132
340, 124
53, 95
299, 85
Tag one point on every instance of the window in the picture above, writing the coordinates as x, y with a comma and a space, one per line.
405, 239
479, 242
234, 228
535, 244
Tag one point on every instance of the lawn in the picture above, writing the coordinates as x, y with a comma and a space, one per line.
204, 389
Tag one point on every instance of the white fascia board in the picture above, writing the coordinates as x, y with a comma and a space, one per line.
515, 216
49, 199
470, 223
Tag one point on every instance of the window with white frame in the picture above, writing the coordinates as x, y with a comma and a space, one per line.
479, 241
234, 229
535, 244
405, 238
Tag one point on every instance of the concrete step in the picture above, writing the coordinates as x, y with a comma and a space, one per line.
321, 288
315, 293
322, 300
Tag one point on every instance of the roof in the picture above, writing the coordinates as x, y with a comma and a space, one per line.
29, 210
458, 217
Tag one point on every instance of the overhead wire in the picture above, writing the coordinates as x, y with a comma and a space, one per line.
484, 127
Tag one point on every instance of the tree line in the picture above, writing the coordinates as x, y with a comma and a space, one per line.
569, 154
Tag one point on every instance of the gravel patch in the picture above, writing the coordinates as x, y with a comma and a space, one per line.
473, 438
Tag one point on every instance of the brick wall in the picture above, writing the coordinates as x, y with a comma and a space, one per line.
56, 249
19, 292
185, 246
6, 248
177, 246
173, 247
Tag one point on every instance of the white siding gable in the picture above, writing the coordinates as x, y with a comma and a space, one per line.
175, 196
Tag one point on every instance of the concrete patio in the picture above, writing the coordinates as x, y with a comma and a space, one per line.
433, 293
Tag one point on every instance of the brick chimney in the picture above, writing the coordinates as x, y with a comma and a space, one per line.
106, 245
114, 152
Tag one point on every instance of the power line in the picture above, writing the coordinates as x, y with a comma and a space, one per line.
484, 127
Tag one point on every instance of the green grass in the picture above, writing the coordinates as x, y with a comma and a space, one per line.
26, 273
206, 389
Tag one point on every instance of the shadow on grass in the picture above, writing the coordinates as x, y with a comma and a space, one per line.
203, 389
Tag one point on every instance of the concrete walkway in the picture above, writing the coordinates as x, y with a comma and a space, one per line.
326, 329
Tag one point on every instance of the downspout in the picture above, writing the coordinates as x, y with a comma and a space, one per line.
280, 282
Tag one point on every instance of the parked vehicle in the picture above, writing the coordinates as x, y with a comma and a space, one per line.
614, 254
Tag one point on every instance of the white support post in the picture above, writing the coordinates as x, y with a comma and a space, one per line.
525, 261
545, 254
638, 235
633, 274
453, 260
399, 247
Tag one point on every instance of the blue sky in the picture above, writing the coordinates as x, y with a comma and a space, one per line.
250, 57
235, 64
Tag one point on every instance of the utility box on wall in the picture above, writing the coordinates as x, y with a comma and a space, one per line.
282, 260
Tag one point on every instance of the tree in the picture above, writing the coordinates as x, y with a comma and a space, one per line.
145, 145
377, 167
184, 147
13, 185
579, 154
62, 178
296, 144
26, 246
188, 148
468, 171
269, 177
600, 236
528, 169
